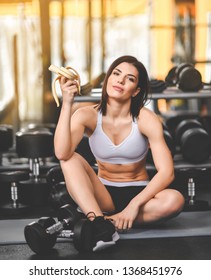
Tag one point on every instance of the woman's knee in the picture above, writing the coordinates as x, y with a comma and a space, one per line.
164, 206
172, 203
72, 162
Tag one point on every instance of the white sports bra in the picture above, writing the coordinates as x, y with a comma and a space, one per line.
132, 149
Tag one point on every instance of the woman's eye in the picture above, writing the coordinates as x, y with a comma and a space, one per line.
115, 73
131, 79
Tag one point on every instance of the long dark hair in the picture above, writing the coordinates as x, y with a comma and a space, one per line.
140, 99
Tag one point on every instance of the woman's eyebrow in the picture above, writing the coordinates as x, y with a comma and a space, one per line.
127, 74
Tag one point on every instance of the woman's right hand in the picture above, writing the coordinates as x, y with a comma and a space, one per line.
69, 89
124, 220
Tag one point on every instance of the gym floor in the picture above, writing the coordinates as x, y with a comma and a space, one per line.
168, 248
182, 248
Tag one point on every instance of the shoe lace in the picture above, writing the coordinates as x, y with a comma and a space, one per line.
91, 215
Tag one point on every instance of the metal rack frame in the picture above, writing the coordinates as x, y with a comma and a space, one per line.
95, 95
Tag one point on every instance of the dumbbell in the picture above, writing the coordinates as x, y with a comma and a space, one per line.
58, 195
171, 121
186, 77
42, 235
157, 86
193, 140
192, 203
36, 146
170, 78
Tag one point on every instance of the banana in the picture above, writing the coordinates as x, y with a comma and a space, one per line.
67, 72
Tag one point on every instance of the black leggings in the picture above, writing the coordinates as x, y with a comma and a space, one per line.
121, 196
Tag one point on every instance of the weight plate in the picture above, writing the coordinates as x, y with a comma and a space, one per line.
55, 175
190, 80
183, 126
171, 77
37, 239
180, 68
83, 235
195, 145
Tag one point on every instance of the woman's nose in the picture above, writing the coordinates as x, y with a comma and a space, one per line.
121, 80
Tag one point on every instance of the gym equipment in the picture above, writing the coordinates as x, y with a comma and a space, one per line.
183, 126
35, 145
6, 139
193, 140
191, 202
186, 77
55, 175
172, 121
157, 86
40, 127
170, 79
13, 177
41, 236
58, 195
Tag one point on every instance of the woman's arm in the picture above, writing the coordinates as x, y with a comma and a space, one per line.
70, 128
151, 126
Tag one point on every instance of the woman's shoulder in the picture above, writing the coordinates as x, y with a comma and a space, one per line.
147, 113
148, 120
87, 110
86, 114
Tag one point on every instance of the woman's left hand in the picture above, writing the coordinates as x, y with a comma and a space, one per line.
124, 220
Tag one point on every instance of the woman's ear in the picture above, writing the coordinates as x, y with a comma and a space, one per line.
136, 92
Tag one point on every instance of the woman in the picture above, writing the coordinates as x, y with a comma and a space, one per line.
120, 130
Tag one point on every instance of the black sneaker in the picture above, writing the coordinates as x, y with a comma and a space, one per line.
105, 234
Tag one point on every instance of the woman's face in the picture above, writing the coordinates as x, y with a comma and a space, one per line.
123, 81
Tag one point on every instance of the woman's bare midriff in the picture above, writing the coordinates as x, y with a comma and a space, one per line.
123, 172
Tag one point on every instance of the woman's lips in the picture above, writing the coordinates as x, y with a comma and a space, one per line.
117, 88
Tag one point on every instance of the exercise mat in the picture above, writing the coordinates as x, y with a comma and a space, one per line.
185, 224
